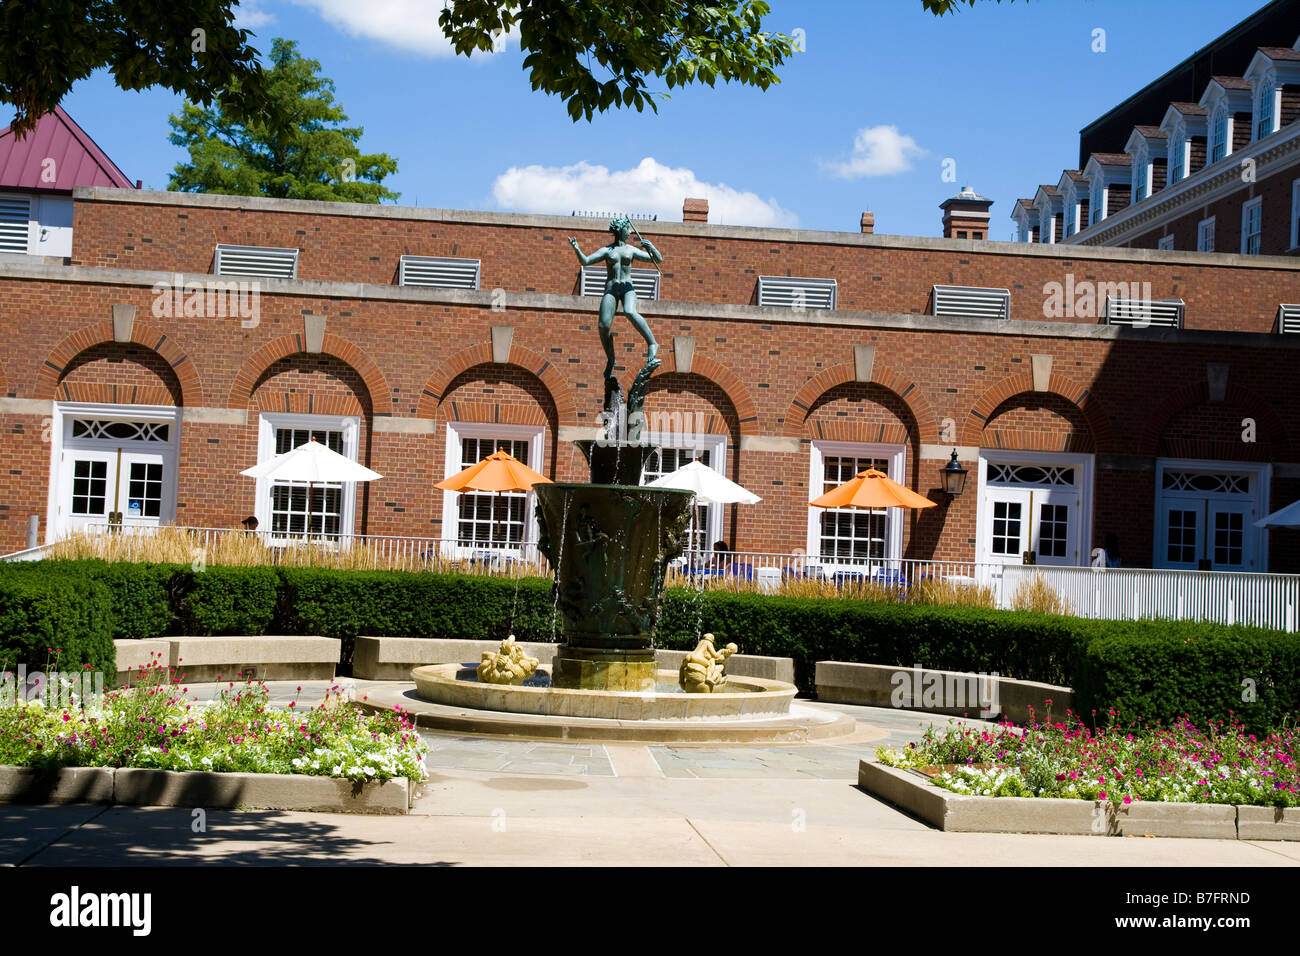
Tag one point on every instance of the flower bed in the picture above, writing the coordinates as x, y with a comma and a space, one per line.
1122, 765
155, 725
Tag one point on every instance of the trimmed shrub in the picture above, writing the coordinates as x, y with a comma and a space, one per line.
59, 610
1162, 671
141, 595
227, 600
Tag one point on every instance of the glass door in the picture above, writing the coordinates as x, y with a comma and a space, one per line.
100, 485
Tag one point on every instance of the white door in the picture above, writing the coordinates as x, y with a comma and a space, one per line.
1205, 516
1032, 508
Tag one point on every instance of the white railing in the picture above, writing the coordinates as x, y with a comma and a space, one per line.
1264, 600
1229, 597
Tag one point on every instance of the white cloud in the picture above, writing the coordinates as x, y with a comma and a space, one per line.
878, 151
648, 187
410, 25
250, 15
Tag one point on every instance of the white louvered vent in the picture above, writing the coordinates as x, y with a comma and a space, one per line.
435, 273
787, 292
645, 281
262, 262
968, 301
1142, 313
15, 223
1288, 319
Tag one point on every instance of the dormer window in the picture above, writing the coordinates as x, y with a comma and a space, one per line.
1070, 208
1177, 155
1219, 133
1098, 201
1141, 173
1265, 95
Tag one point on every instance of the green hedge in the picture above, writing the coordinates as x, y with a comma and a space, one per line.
1153, 670
55, 611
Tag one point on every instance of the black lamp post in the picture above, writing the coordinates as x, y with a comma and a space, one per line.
954, 477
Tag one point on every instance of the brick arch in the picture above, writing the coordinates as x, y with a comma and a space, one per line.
250, 373
1199, 393
143, 334
908, 392
1059, 385
566, 412
725, 379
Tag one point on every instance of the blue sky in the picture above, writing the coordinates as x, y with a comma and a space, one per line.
863, 120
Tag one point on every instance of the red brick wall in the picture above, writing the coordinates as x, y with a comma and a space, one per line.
1275, 240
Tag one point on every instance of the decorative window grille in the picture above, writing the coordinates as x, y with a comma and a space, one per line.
1166, 313
644, 281
1288, 319
434, 273
259, 262
119, 430
15, 223
1216, 482
969, 301
1011, 474
785, 292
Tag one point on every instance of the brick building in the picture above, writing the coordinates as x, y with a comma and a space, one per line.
186, 337
1205, 158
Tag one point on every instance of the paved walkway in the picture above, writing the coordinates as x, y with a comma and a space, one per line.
510, 802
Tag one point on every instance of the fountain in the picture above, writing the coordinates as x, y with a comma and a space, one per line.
609, 542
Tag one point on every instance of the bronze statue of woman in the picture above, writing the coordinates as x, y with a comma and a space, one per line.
618, 257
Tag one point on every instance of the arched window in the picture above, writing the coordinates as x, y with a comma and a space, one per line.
1097, 204
1141, 173
1264, 96
1177, 155
1219, 147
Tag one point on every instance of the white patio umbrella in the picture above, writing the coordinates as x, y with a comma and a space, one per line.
1288, 517
710, 487
314, 464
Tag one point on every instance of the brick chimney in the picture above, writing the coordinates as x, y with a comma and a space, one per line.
966, 215
695, 210
868, 222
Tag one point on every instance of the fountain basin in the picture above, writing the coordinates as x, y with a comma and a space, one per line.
746, 698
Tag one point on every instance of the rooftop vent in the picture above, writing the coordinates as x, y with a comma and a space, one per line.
1141, 313
262, 262
634, 216
644, 281
15, 223
434, 273
968, 301
1288, 319
786, 292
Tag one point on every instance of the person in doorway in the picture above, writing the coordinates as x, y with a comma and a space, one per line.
1112, 550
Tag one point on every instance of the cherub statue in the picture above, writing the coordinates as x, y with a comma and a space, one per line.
618, 257
704, 669
509, 665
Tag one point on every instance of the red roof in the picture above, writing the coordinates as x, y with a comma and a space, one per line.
77, 160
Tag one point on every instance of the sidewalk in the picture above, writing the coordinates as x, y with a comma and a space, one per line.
520, 803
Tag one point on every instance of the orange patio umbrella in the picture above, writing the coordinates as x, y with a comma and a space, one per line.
871, 489
499, 471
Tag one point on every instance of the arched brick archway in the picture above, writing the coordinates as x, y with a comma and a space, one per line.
725, 379
63, 358
436, 387
255, 366
972, 433
827, 379
1272, 436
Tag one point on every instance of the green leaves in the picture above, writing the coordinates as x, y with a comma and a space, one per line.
569, 42
295, 149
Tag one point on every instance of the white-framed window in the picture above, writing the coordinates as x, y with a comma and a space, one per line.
853, 536
1178, 156
1071, 214
1205, 235
487, 521
1165, 242
1219, 129
1206, 513
1097, 206
677, 449
292, 509
1034, 502
1252, 225
112, 462
1265, 106
1295, 214
1141, 173
1046, 227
